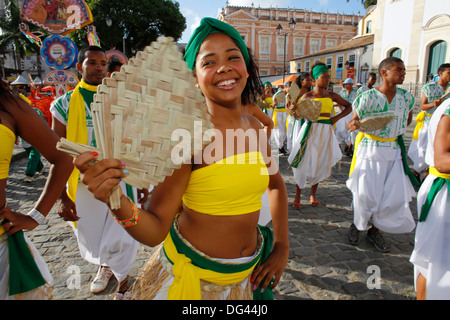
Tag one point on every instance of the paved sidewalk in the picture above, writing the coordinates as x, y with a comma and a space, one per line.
322, 265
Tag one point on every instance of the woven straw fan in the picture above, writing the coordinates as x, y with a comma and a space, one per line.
376, 123
294, 93
136, 111
308, 109
446, 93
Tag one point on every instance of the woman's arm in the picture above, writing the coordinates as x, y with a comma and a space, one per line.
277, 261
32, 128
155, 222
342, 102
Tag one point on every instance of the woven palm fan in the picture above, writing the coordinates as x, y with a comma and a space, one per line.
294, 93
136, 111
375, 123
447, 92
308, 109
281, 96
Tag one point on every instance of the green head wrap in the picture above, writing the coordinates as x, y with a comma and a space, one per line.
318, 70
208, 26
267, 83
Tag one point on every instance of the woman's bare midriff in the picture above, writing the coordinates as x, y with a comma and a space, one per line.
225, 237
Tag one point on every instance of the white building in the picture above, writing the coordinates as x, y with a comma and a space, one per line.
417, 31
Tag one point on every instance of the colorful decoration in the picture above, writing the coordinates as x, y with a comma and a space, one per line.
32, 36
59, 52
62, 80
116, 55
56, 16
92, 36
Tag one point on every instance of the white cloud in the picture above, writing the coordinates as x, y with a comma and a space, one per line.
192, 20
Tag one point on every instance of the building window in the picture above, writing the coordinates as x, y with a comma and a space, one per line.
397, 53
307, 66
280, 45
369, 26
329, 63
264, 45
315, 45
351, 60
340, 62
331, 43
299, 47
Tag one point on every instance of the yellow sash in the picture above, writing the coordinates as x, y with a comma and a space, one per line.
274, 115
186, 284
420, 119
433, 171
77, 129
359, 138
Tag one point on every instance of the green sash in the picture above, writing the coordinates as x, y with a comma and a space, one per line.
415, 182
215, 266
24, 275
303, 142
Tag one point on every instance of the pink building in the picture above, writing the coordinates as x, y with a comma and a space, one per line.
314, 31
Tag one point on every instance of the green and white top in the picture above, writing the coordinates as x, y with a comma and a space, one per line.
432, 91
60, 110
373, 103
349, 97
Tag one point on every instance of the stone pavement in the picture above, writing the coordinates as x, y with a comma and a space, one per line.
322, 265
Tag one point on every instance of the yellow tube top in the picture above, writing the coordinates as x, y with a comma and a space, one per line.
7, 141
230, 187
327, 107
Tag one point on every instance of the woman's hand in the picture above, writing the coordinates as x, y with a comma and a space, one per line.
100, 177
16, 221
272, 269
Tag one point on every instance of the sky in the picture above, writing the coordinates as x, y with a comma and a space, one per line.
195, 10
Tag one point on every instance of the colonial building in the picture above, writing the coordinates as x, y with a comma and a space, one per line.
417, 31
314, 31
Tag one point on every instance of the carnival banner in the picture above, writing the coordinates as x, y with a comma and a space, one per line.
59, 52
62, 80
116, 55
32, 36
56, 16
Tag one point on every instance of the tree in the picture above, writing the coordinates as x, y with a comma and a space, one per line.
367, 3
138, 21
12, 36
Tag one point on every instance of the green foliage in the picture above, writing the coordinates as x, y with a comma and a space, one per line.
12, 35
140, 21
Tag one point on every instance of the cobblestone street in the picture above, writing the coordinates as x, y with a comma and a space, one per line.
322, 265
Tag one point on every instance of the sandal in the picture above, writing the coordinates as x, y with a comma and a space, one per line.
315, 203
296, 205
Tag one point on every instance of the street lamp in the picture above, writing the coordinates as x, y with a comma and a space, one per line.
279, 30
109, 22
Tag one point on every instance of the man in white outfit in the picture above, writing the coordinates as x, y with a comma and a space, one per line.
380, 181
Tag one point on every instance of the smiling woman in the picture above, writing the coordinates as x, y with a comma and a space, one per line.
212, 246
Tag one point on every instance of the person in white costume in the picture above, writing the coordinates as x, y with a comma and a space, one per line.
381, 189
315, 150
432, 97
101, 240
342, 133
304, 82
370, 83
280, 118
431, 251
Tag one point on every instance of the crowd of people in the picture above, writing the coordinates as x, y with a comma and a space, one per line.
205, 219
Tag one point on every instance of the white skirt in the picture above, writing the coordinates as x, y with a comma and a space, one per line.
342, 134
418, 148
37, 294
101, 240
381, 191
322, 152
431, 254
